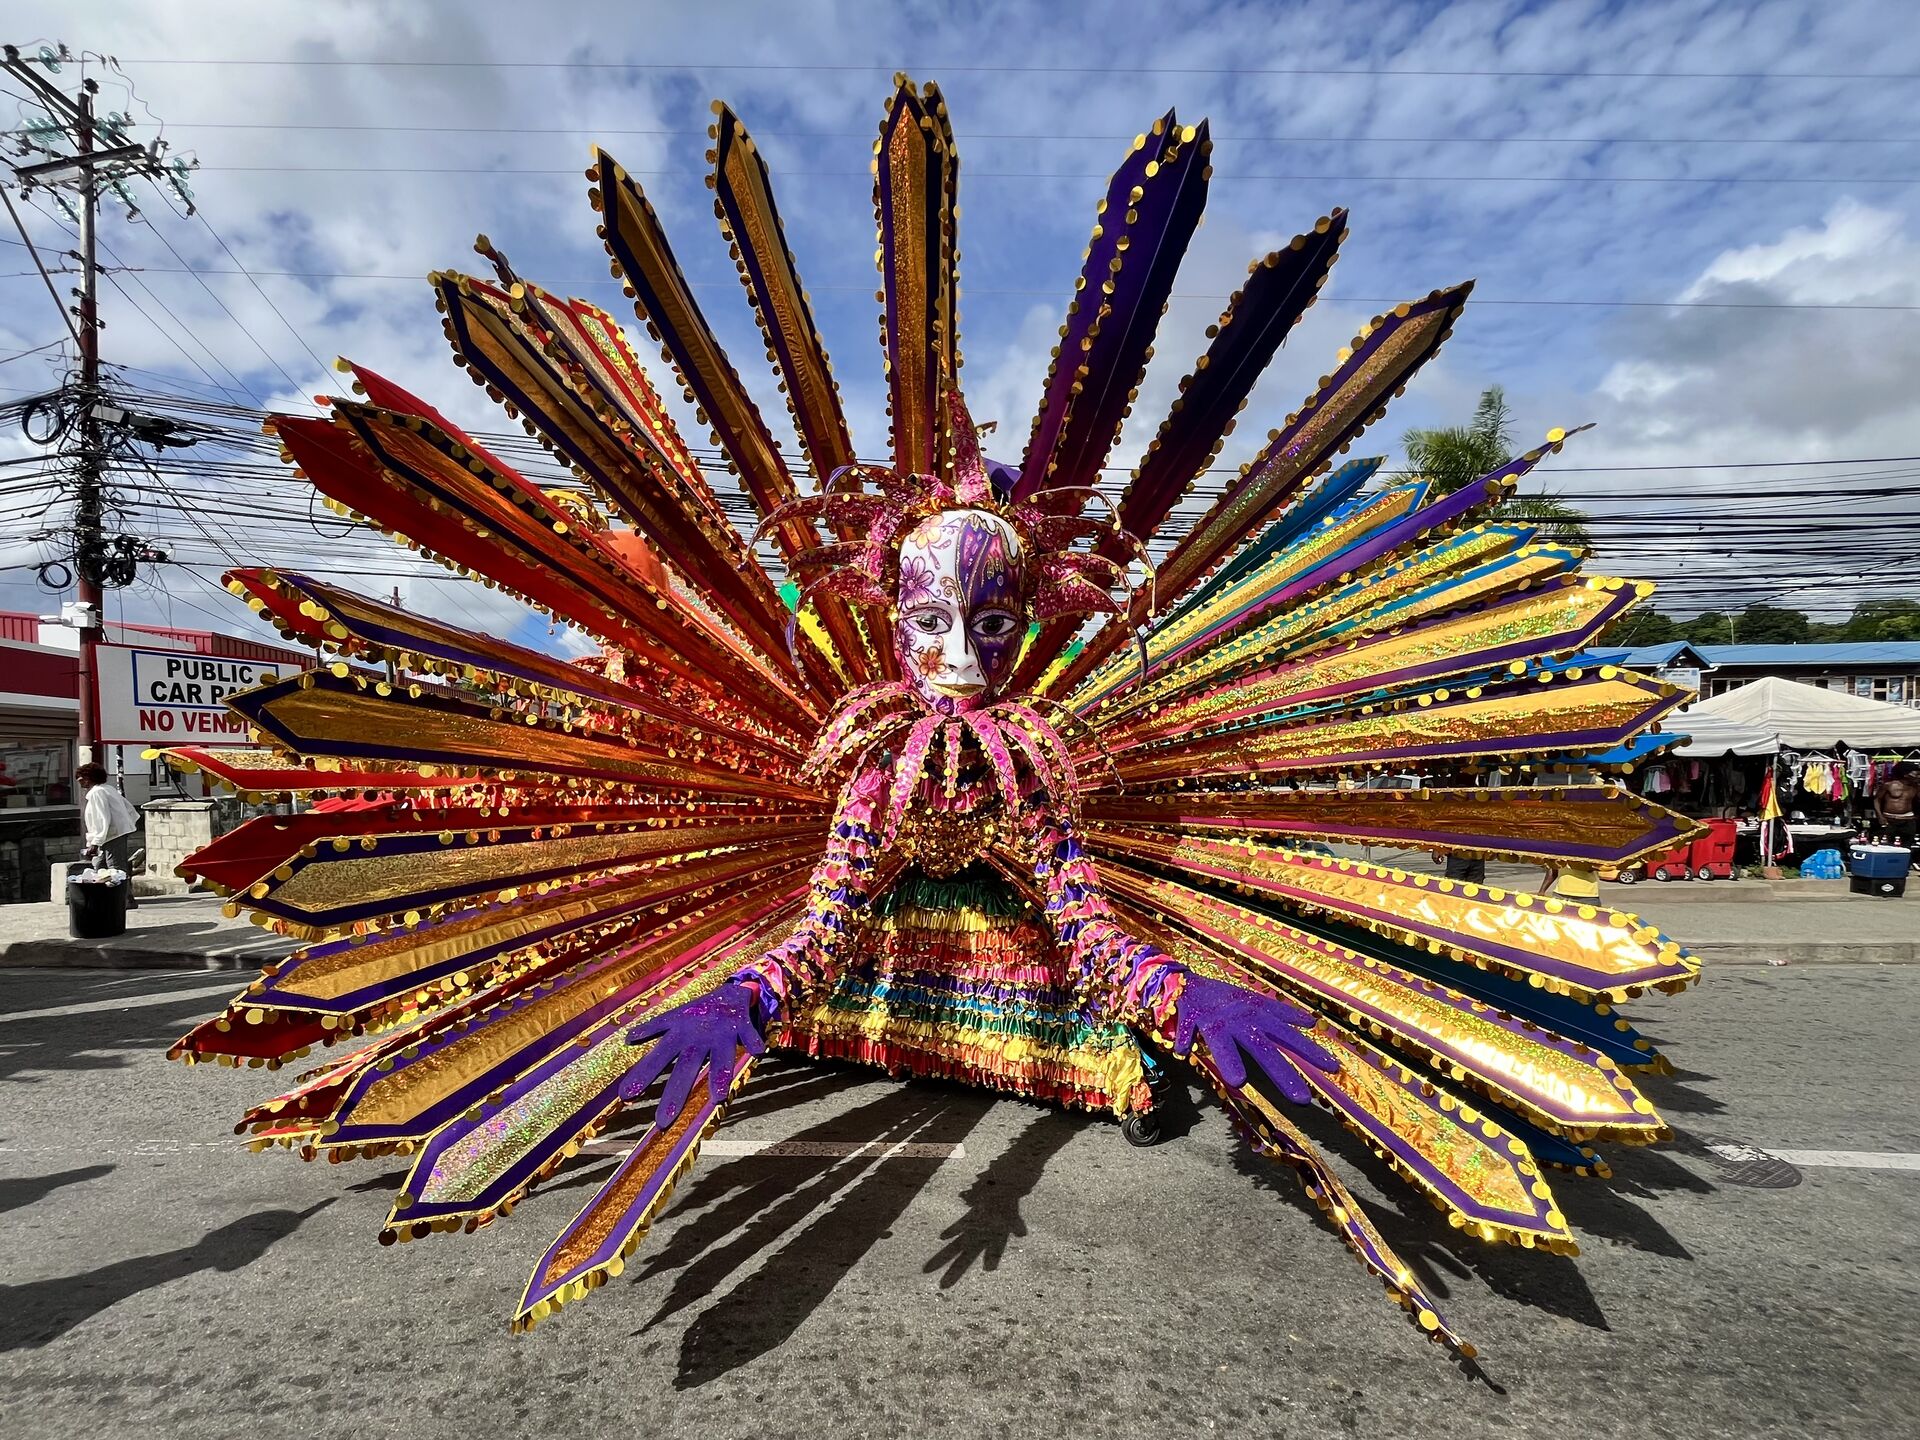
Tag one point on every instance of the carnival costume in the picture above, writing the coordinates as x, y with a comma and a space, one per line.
906, 820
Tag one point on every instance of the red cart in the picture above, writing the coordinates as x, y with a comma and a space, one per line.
1708, 858
1674, 864
1711, 856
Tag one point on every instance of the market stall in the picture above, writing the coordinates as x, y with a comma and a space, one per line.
1712, 773
1706, 768
1833, 750
1810, 718
1711, 736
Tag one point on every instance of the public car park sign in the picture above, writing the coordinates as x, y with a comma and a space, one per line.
173, 697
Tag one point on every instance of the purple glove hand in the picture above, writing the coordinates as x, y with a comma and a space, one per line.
1232, 1020
710, 1031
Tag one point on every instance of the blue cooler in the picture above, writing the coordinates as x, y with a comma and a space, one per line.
1879, 869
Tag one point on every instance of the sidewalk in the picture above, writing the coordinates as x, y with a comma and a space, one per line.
166, 932
1746, 922
1763, 926
1725, 922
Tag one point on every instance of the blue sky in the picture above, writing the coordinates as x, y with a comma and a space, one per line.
1509, 159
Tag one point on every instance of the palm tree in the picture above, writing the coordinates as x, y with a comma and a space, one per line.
1551, 517
1455, 456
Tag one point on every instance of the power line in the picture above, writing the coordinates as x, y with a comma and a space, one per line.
121, 291
208, 224
1219, 176
239, 324
133, 274
978, 136
867, 288
1635, 539
710, 458
224, 404
37, 349
179, 503
39, 264
1852, 467
855, 67
201, 610
1727, 465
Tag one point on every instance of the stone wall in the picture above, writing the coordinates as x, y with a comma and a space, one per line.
175, 829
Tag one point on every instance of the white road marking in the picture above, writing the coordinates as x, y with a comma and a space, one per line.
1817, 1159
128, 1002
807, 1149
772, 1149
931, 1150
138, 1147
1849, 1159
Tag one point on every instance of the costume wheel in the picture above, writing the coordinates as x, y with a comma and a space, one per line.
1705, 872
1141, 1128
1629, 876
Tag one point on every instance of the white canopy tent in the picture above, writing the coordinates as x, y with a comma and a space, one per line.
1710, 736
1806, 717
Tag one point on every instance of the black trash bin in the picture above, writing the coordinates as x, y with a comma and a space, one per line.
96, 911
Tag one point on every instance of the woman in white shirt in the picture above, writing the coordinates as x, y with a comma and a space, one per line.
108, 819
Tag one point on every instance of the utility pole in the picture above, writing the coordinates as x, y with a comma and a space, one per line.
393, 670
86, 512
77, 166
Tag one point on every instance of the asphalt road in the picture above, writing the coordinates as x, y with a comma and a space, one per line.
1038, 1278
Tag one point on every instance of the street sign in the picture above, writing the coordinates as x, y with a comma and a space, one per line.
173, 697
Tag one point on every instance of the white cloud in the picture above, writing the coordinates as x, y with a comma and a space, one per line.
1797, 383
1855, 254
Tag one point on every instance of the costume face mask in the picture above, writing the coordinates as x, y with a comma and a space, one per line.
961, 607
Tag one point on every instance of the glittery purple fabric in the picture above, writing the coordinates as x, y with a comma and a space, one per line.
1238, 1025
709, 1032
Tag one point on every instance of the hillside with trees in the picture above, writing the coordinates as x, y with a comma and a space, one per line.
1770, 625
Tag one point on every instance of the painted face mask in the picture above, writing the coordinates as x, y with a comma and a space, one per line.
961, 607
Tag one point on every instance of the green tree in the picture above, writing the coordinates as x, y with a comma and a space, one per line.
1643, 627
1711, 627
1772, 625
1879, 620
1756, 625
1454, 456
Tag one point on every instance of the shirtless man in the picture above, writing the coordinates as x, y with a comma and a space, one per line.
1895, 803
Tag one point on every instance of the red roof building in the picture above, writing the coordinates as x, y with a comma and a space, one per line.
39, 728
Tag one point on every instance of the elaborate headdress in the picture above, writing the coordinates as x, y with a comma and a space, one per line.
1067, 581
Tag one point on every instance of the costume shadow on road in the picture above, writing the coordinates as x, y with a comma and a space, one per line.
1595, 1208
793, 1232
16, 1194
825, 1213
41, 1311
822, 1214
90, 1041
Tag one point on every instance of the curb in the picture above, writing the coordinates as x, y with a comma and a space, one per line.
1726, 892
1807, 952
81, 955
